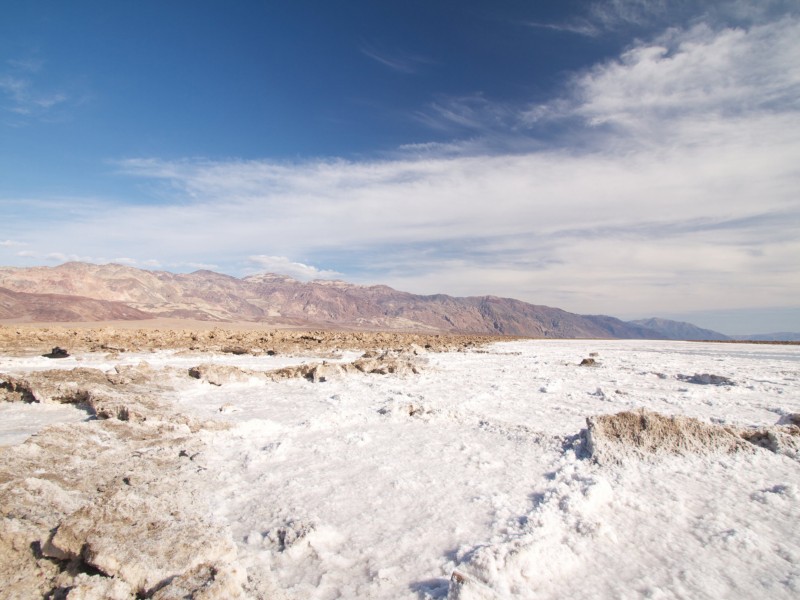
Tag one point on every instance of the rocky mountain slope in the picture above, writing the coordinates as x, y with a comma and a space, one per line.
62, 308
66, 293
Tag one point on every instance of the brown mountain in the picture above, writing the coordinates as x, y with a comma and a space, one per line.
49, 292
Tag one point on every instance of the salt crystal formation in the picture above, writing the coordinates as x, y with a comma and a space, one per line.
109, 508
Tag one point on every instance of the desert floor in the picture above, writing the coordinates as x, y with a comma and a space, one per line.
247, 463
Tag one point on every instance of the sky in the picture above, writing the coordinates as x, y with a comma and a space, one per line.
630, 157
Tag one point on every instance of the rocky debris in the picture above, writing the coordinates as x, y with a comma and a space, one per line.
588, 362
705, 379
34, 340
57, 352
613, 438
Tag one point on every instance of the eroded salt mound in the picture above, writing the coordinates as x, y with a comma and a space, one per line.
373, 363
640, 434
110, 508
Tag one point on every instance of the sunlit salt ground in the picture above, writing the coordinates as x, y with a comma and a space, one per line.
380, 486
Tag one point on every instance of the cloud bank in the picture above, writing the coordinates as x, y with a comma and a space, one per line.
668, 182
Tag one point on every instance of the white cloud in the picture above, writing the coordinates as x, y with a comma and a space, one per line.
61, 257
198, 265
125, 261
681, 196
687, 81
700, 73
283, 266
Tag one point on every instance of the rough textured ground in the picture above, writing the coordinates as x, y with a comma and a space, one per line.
113, 508
366, 466
28, 340
109, 508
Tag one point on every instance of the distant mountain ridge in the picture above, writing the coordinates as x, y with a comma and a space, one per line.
88, 292
680, 330
280, 300
783, 336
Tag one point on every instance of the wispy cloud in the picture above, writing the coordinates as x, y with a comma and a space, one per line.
31, 65
579, 27
680, 195
473, 113
611, 15
22, 94
606, 17
401, 62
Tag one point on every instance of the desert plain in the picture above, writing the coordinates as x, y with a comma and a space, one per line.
190, 461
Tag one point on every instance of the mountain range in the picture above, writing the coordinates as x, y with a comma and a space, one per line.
87, 292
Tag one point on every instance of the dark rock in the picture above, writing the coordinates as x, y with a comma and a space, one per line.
57, 352
588, 362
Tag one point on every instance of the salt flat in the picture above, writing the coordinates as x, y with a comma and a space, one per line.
384, 486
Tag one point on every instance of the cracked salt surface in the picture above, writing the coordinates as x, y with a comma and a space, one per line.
384, 486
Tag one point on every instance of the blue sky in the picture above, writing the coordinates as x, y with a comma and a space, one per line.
627, 157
